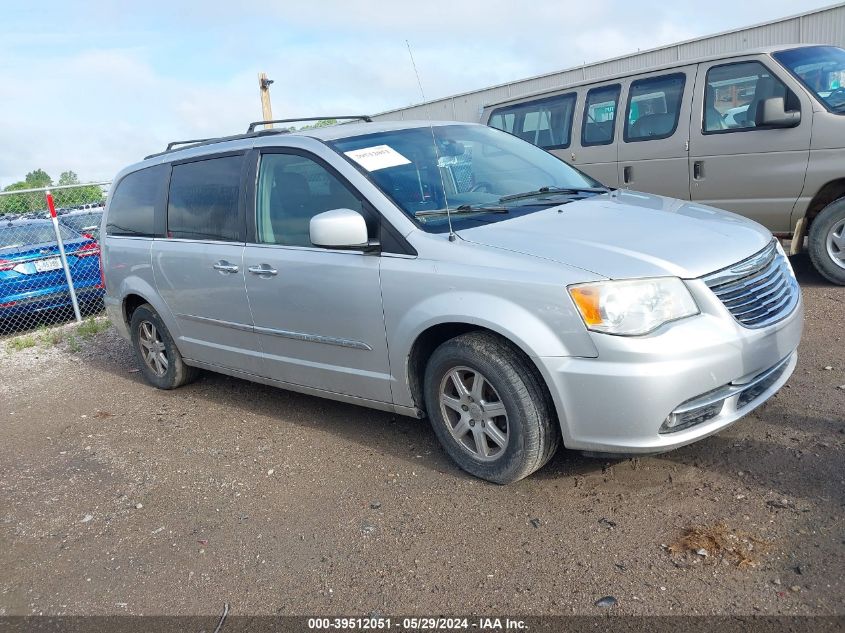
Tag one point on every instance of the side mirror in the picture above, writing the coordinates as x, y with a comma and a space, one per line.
339, 228
773, 113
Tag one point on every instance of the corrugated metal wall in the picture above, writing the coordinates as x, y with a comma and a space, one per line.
825, 26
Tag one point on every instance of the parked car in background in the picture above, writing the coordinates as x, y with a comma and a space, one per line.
760, 133
32, 279
86, 222
450, 271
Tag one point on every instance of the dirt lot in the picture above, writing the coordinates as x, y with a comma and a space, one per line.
117, 498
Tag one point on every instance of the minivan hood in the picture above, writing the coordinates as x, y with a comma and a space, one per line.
625, 234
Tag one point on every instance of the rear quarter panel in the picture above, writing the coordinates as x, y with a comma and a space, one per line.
127, 268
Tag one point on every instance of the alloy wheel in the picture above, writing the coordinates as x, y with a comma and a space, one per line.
474, 413
153, 350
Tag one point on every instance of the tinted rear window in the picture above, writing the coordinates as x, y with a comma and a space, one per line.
132, 207
203, 203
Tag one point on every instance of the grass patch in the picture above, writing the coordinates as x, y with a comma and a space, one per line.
22, 342
91, 326
73, 343
49, 337
719, 542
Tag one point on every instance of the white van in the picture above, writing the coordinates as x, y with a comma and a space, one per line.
760, 133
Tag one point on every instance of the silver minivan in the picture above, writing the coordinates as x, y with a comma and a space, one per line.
760, 133
451, 271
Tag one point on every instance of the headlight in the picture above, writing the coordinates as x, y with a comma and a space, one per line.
633, 307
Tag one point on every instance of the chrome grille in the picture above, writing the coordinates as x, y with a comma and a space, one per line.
757, 291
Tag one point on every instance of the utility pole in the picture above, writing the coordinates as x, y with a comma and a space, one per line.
266, 108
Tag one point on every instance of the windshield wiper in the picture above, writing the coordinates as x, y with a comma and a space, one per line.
554, 191
462, 209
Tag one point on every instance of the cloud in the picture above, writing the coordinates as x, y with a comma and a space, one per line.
95, 90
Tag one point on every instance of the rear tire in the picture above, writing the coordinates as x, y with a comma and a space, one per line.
159, 358
500, 426
827, 242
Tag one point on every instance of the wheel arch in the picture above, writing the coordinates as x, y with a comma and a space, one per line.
130, 303
435, 335
830, 192
136, 292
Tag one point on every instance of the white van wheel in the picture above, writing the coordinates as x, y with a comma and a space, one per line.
827, 242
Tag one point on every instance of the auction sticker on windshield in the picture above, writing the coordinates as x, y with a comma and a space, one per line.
377, 157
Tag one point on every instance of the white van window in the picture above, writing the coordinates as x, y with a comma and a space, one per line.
503, 121
732, 93
546, 123
821, 69
654, 105
597, 127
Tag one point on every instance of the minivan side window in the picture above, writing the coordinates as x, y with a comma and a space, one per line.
546, 123
732, 93
132, 206
203, 201
597, 127
292, 189
654, 105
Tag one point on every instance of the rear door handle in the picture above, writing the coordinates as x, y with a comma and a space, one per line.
698, 170
263, 269
627, 174
225, 267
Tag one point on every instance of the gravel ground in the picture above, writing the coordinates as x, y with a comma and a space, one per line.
118, 498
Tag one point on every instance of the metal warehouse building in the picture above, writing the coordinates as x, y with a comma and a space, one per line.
822, 26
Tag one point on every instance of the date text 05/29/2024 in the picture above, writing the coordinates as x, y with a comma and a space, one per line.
416, 624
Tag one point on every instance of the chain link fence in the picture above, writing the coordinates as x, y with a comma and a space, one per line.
50, 255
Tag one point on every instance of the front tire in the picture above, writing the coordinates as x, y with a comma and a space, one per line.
489, 408
827, 242
160, 360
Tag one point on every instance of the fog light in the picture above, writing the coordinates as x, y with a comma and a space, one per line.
683, 419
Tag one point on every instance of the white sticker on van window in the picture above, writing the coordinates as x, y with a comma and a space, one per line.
377, 157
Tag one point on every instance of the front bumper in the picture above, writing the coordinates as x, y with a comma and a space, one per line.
617, 402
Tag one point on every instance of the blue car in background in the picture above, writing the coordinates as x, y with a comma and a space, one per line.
31, 276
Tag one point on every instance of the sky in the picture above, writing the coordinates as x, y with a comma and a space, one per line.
94, 86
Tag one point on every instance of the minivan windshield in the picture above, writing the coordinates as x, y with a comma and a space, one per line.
821, 69
480, 174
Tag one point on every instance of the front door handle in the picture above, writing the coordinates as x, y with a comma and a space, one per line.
627, 174
263, 269
698, 170
225, 267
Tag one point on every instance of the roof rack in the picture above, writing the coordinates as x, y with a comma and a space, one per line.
251, 133
211, 141
195, 140
254, 124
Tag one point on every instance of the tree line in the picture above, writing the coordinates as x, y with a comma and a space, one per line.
35, 201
